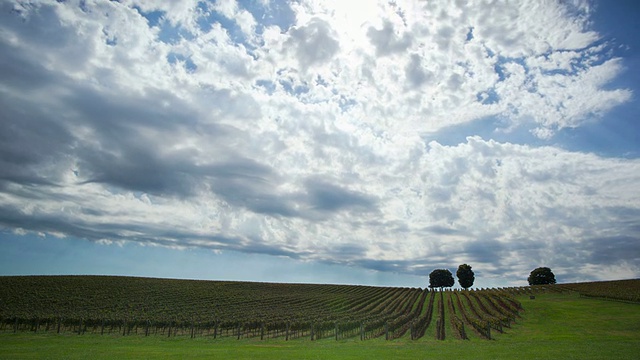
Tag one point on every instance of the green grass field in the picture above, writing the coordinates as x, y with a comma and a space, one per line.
553, 326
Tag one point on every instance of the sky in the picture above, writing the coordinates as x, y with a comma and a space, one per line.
351, 142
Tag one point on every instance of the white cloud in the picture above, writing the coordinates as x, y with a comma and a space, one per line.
242, 17
307, 141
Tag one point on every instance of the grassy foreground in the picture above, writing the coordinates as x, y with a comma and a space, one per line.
554, 326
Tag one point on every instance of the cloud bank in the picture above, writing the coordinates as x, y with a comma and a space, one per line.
312, 130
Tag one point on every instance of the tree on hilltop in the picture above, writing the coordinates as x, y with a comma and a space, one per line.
465, 276
541, 276
441, 278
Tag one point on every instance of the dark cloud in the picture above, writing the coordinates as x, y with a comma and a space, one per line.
22, 72
627, 218
238, 181
138, 169
34, 141
38, 143
443, 37
129, 140
444, 230
259, 246
315, 43
399, 266
420, 267
246, 183
117, 115
415, 73
617, 244
344, 252
326, 197
44, 35
613, 249
386, 40
31, 145
124, 139
484, 251
12, 217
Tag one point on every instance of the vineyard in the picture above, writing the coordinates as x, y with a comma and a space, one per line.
144, 306
217, 309
625, 290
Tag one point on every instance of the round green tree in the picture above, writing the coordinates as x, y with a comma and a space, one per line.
440, 278
541, 276
465, 276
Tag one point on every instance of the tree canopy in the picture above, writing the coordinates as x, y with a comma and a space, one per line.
441, 278
541, 276
465, 276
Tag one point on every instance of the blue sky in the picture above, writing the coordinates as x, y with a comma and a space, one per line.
356, 142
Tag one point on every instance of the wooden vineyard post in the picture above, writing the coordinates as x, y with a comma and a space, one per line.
361, 331
489, 330
215, 329
286, 338
386, 331
59, 323
312, 331
262, 331
239, 333
336, 330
